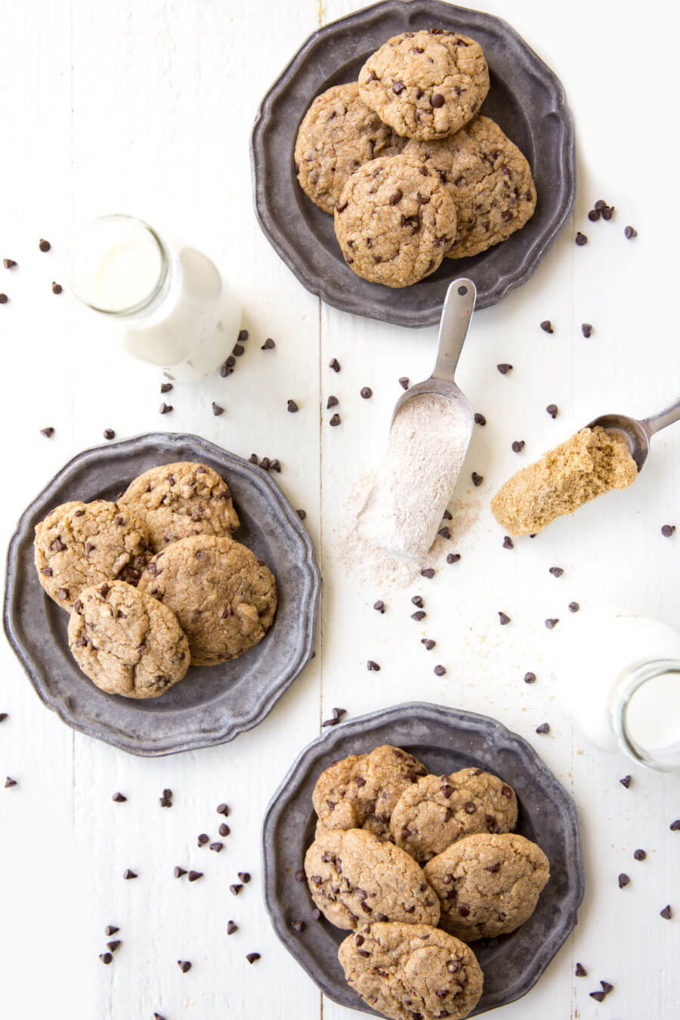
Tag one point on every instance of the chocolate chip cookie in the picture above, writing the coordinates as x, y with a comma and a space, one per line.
355, 877
223, 596
394, 221
337, 135
179, 500
79, 544
359, 792
437, 810
127, 642
412, 971
490, 183
488, 884
425, 84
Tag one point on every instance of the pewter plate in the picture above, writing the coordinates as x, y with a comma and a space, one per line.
526, 99
212, 704
445, 739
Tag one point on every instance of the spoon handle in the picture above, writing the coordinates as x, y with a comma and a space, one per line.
666, 416
453, 326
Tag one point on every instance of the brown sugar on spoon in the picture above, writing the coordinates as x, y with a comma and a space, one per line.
592, 462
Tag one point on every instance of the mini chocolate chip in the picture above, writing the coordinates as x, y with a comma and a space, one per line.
9, 263
128, 874
593, 215
235, 889
639, 855
586, 329
109, 434
216, 847
238, 350
252, 957
244, 876
299, 875
623, 880
675, 826
243, 335
166, 799
297, 926
580, 970
396, 197
231, 927
543, 728
9, 782
184, 966
427, 572
529, 678
166, 408
56, 288
113, 946
551, 622
518, 445
366, 392
119, 798
105, 958
194, 876
439, 670
3, 299
398, 87
222, 809
419, 615
372, 666
334, 364
335, 420
166, 387
111, 929
379, 606
217, 409
224, 829
179, 872
477, 479
503, 618
556, 571
573, 607
268, 345
580, 239
598, 996
666, 913
626, 781
47, 432
444, 532
667, 530
332, 402
44, 245
630, 232
452, 557
302, 514
436, 100
404, 382
552, 410
607, 987
292, 407
508, 543
504, 368
428, 643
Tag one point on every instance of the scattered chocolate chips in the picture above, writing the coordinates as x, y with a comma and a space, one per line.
607, 987
166, 798
297, 926
419, 615
543, 728
598, 996
301, 514
551, 622
3, 716
252, 957
428, 643
630, 232
586, 329
334, 364
518, 445
477, 479
203, 838
244, 876
626, 781
299, 875
508, 543
56, 288
222, 809
667, 530
332, 402
479, 418
109, 434
268, 345
3, 299
427, 572
128, 874
452, 557
217, 409
404, 382
439, 670
372, 666
556, 571
44, 245
119, 798
379, 606
593, 215
366, 392
529, 678
504, 368
675, 826
106, 958
184, 966
335, 420
231, 927
547, 326
224, 829
580, 239
113, 946
552, 410
503, 618
235, 889
237, 350
194, 876
444, 532
243, 336
47, 432
9, 782
623, 880
573, 607
292, 407
666, 913
639, 855
580, 970
166, 387
165, 408
111, 929
179, 872
9, 263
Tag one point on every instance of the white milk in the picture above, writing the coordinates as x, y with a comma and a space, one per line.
603, 656
172, 306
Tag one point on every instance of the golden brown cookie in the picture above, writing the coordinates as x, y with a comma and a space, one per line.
337, 135
394, 221
79, 544
425, 84
223, 596
359, 792
127, 642
412, 971
590, 463
489, 179
355, 877
437, 810
488, 885
179, 500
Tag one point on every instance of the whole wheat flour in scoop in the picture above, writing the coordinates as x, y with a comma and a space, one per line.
395, 517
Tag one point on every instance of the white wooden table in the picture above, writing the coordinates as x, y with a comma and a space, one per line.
145, 106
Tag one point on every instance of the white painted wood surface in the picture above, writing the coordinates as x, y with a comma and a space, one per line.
146, 106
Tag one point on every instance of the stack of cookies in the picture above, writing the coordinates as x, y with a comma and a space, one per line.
417, 866
410, 171
154, 582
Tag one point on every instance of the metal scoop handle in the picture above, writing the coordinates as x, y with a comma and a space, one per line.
666, 416
453, 326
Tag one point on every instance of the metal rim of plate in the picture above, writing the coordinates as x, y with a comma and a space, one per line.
445, 739
526, 98
200, 711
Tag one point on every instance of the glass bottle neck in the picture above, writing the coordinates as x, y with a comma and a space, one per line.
645, 714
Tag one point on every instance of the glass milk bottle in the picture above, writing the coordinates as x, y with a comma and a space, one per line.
620, 680
172, 306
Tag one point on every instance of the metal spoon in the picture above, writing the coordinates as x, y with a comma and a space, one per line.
639, 433
453, 326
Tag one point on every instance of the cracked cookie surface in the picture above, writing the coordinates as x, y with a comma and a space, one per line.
223, 596
359, 792
355, 877
127, 642
438, 810
425, 84
394, 221
488, 884
79, 544
489, 179
337, 135
408, 971
179, 500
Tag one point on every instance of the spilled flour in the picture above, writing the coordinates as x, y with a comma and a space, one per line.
395, 516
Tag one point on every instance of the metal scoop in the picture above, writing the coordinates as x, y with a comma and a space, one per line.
639, 433
453, 326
